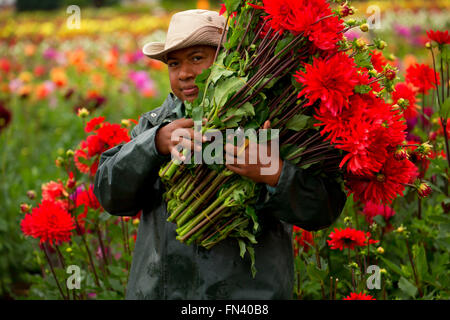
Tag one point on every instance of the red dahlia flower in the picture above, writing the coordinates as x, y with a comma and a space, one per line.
423, 77
440, 37
48, 222
372, 210
56, 192
378, 60
349, 238
359, 296
385, 185
310, 17
407, 92
94, 124
332, 81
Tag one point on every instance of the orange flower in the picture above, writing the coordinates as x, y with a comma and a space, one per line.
58, 76
42, 91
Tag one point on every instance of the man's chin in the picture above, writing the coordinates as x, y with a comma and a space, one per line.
190, 98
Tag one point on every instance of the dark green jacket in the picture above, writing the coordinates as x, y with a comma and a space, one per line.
163, 268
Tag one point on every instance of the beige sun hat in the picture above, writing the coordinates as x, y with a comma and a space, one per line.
187, 29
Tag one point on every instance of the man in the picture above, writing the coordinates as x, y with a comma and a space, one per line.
127, 181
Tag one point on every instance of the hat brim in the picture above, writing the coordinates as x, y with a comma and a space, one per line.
204, 36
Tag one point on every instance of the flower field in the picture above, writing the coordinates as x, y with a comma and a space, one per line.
67, 95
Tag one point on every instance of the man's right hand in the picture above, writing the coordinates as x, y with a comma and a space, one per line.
179, 133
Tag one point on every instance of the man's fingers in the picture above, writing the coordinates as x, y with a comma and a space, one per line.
235, 168
266, 125
184, 123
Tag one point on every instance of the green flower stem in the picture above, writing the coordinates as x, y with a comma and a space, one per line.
53, 271
203, 214
205, 223
197, 191
224, 231
411, 260
191, 211
198, 175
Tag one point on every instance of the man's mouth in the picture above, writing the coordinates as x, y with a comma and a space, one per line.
190, 91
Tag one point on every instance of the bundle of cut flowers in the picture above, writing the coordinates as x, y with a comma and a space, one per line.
289, 62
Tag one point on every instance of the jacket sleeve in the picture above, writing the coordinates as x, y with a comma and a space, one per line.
126, 173
301, 198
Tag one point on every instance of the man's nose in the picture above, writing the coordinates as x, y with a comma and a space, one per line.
186, 72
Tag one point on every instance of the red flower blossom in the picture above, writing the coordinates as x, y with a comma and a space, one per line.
423, 77
359, 296
55, 191
82, 162
302, 238
372, 209
385, 185
349, 238
106, 136
308, 17
332, 81
48, 222
440, 37
407, 92
93, 124
378, 60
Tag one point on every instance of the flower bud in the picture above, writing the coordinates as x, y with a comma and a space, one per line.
380, 250
347, 220
373, 73
126, 123
59, 162
401, 154
428, 45
136, 221
424, 149
423, 190
400, 229
31, 194
69, 250
390, 74
381, 45
83, 113
360, 44
364, 27
70, 153
25, 208
383, 271
351, 22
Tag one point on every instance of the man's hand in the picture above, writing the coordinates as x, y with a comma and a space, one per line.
178, 133
253, 171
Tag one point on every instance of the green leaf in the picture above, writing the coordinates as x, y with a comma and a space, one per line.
363, 60
315, 273
232, 5
227, 87
363, 89
242, 247
283, 43
251, 252
392, 266
407, 287
420, 258
444, 111
298, 122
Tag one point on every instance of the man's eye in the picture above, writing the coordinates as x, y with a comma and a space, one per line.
197, 58
172, 64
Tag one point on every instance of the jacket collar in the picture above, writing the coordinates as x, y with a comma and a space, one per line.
157, 115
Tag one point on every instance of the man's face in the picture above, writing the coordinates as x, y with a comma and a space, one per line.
184, 65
